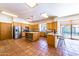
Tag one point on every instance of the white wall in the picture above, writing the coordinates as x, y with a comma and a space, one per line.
4, 18
8, 19
20, 20
72, 17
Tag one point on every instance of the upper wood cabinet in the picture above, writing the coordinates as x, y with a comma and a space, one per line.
55, 26
35, 27
52, 26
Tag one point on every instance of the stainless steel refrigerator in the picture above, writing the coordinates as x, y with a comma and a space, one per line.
17, 32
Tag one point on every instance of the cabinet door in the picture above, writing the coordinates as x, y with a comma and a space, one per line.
0, 31
52, 26
49, 26
55, 26
51, 40
6, 31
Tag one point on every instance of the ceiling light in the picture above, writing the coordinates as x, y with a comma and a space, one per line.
27, 22
6, 13
44, 15
31, 3
29, 19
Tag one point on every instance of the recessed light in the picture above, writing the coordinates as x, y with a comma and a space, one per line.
9, 14
31, 3
44, 15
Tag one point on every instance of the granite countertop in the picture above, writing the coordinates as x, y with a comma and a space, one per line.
54, 34
31, 32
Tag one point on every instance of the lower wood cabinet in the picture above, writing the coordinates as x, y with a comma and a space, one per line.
51, 40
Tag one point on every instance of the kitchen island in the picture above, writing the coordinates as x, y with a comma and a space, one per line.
32, 36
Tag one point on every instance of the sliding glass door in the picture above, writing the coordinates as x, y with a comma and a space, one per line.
70, 29
75, 34
66, 31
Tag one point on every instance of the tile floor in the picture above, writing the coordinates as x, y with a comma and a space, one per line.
23, 47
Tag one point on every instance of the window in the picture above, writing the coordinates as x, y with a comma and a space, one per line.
43, 27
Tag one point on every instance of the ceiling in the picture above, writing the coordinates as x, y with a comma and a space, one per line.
52, 9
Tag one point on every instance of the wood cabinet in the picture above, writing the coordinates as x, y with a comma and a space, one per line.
35, 27
55, 26
42, 34
51, 40
52, 26
5, 31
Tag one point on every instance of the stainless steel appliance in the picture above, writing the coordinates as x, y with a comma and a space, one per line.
17, 32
